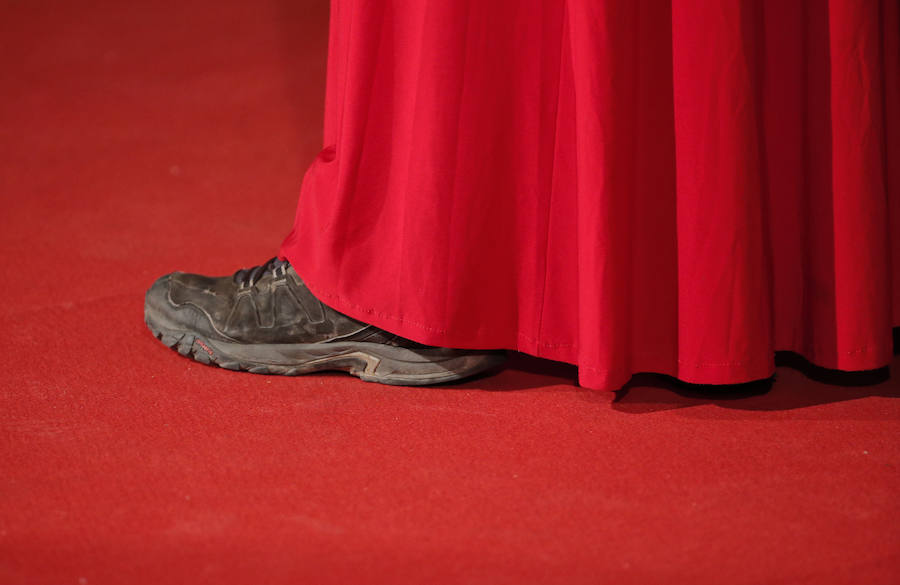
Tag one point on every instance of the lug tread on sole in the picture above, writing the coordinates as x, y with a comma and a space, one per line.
191, 347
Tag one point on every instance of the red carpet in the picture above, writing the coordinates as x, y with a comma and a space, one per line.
138, 138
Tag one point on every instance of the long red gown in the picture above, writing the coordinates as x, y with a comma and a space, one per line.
676, 186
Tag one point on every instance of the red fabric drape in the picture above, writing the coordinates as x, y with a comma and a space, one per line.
680, 187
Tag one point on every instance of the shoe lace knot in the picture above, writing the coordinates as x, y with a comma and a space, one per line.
247, 277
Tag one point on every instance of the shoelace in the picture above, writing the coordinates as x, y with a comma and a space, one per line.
247, 277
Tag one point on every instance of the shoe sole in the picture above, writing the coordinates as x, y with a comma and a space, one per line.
371, 362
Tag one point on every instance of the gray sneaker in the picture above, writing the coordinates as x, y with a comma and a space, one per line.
264, 320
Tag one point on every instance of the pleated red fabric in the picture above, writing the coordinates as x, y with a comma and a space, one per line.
681, 187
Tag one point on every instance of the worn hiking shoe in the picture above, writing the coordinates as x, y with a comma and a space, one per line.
264, 320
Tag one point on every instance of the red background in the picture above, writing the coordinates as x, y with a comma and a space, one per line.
141, 137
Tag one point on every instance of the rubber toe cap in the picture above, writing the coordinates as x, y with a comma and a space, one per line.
157, 297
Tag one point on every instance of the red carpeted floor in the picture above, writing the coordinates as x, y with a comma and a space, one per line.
141, 137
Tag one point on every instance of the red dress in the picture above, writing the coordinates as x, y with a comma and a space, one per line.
680, 187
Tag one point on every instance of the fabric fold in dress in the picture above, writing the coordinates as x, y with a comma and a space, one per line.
680, 187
